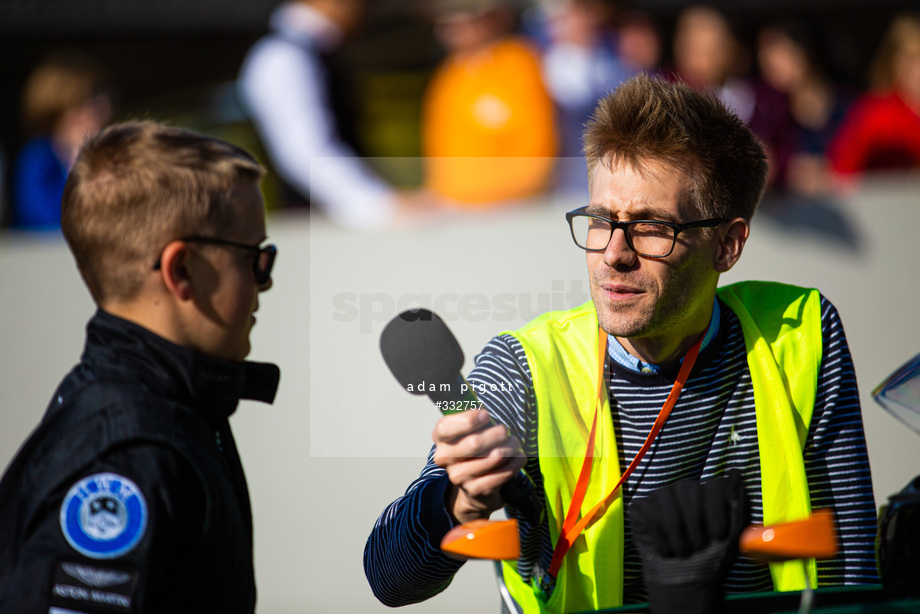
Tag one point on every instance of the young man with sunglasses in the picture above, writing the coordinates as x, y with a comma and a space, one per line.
752, 382
130, 494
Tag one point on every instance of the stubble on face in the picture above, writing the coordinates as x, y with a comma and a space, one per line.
664, 299
664, 303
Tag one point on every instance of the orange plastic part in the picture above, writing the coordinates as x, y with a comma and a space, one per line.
484, 539
814, 537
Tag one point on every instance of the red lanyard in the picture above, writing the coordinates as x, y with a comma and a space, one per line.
572, 527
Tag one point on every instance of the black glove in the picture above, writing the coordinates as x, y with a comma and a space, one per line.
687, 537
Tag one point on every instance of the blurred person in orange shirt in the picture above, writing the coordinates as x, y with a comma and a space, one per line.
882, 129
488, 132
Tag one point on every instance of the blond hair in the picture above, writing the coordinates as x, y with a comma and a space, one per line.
903, 31
648, 119
138, 185
62, 81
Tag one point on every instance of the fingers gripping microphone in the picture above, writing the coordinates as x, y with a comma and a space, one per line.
425, 358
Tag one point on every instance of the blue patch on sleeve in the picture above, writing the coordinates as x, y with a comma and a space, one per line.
104, 516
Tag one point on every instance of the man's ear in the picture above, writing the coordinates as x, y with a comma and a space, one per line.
174, 269
731, 243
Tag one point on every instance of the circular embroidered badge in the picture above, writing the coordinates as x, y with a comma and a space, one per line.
104, 516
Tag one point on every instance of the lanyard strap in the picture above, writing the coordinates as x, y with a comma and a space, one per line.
572, 527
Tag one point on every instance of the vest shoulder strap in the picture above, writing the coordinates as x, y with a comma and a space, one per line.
782, 336
561, 349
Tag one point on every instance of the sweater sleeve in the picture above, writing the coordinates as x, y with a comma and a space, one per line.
837, 462
403, 561
149, 493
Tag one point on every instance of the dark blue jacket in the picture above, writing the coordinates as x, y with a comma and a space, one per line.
130, 495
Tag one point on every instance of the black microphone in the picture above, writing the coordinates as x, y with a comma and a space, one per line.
425, 358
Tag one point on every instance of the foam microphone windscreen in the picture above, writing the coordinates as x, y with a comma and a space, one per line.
418, 347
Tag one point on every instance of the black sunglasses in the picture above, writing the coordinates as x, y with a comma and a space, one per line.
263, 257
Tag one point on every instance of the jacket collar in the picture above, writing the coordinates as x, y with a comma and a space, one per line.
131, 352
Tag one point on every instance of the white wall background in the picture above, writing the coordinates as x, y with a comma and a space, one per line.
342, 439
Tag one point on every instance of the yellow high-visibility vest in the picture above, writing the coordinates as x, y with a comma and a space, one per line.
782, 334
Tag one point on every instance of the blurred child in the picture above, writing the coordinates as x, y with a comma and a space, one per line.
63, 102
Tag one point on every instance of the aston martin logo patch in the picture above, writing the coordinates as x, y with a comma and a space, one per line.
79, 587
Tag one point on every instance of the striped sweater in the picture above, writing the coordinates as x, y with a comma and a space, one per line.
711, 430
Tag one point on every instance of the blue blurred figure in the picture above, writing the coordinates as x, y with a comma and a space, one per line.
581, 64
63, 102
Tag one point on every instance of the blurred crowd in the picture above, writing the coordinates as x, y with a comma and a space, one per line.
501, 115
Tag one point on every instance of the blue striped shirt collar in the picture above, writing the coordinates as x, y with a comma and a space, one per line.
623, 358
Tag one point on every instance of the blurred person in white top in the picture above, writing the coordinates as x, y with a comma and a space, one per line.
284, 84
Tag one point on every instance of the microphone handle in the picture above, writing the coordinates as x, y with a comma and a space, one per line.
519, 491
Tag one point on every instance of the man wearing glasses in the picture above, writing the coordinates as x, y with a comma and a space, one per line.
130, 494
762, 376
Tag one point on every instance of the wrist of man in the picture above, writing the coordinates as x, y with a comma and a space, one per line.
463, 508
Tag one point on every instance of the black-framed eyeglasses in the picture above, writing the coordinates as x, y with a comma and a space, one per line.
263, 256
649, 238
